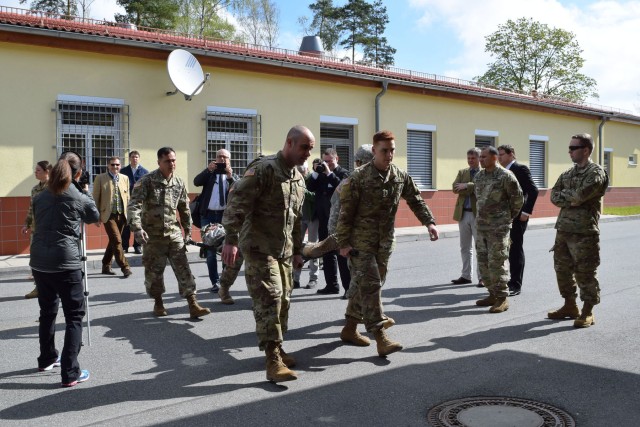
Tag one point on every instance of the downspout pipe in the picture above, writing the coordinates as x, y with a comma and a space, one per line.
600, 141
385, 84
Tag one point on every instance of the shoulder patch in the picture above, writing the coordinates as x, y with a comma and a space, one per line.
250, 172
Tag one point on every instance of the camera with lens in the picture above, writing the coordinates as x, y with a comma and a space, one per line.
321, 168
221, 169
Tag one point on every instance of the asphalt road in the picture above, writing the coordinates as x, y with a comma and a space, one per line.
173, 371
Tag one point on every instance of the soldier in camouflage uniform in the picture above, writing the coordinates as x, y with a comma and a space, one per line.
576, 252
263, 217
152, 217
499, 199
365, 233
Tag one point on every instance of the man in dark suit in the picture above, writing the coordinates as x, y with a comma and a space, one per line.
134, 172
507, 158
216, 180
323, 182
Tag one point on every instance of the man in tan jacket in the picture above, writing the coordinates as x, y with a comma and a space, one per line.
111, 194
465, 214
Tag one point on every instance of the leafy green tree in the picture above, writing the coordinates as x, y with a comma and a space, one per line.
530, 56
161, 14
64, 8
258, 21
203, 18
353, 22
324, 24
376, 48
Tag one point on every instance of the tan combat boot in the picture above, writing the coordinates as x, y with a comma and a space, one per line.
486, 302
586, 319
385, 345
32, 294
225, 297
351, 335
195, 310
158, 307
569, 310
277, 371
287, 359
501, 305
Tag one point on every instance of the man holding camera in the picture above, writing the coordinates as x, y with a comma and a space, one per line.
323, 181
216, 180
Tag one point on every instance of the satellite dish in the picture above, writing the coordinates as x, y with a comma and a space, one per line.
186, 73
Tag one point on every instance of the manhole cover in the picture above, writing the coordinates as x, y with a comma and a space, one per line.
497, 412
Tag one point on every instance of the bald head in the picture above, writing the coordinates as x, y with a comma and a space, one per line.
298, 145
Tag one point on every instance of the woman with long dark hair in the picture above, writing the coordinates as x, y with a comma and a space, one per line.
43, 168
59, 213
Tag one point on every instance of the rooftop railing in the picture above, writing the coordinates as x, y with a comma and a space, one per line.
18, 16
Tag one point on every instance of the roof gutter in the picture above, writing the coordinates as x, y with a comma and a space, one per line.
385, 84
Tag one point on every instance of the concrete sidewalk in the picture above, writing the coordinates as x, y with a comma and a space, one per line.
17, 263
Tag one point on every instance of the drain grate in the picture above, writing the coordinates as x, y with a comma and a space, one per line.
497, 411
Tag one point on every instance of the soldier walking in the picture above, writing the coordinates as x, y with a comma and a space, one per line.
365, 232
152, 217
262, 219
576, 251
499, 199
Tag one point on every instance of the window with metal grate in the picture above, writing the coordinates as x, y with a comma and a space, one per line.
240, 134
95, 130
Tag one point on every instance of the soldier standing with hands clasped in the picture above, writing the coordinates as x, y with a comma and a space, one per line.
365, 232
576, 251
152, 217
499, 199
263, 217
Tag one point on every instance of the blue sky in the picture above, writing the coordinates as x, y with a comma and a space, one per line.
447, 37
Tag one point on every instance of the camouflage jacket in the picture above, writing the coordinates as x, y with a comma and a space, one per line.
369, 201
156, 203
499, 199
37, 189
578, 192
264, 209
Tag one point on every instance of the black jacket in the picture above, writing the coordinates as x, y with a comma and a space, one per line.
529, 189
207, 180
58, 219
324, 186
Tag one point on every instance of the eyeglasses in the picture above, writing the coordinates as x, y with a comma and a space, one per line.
115, 164
576, 147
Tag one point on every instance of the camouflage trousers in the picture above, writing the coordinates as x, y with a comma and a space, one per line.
492, 249
230, 272
368, 273
269, 281
576, 258
154, 259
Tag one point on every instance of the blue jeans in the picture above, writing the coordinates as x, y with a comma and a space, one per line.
212, 262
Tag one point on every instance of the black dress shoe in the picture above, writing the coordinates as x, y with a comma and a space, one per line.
461, 281
296, 284
328, 291
514, 292
137, 249
480, 284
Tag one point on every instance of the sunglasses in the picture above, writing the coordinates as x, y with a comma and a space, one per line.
115, 164
576, 147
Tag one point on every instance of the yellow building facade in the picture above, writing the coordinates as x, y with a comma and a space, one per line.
102, 91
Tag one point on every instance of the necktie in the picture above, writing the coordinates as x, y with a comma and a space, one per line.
221, 190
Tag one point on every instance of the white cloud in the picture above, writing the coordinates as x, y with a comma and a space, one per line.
605, 30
